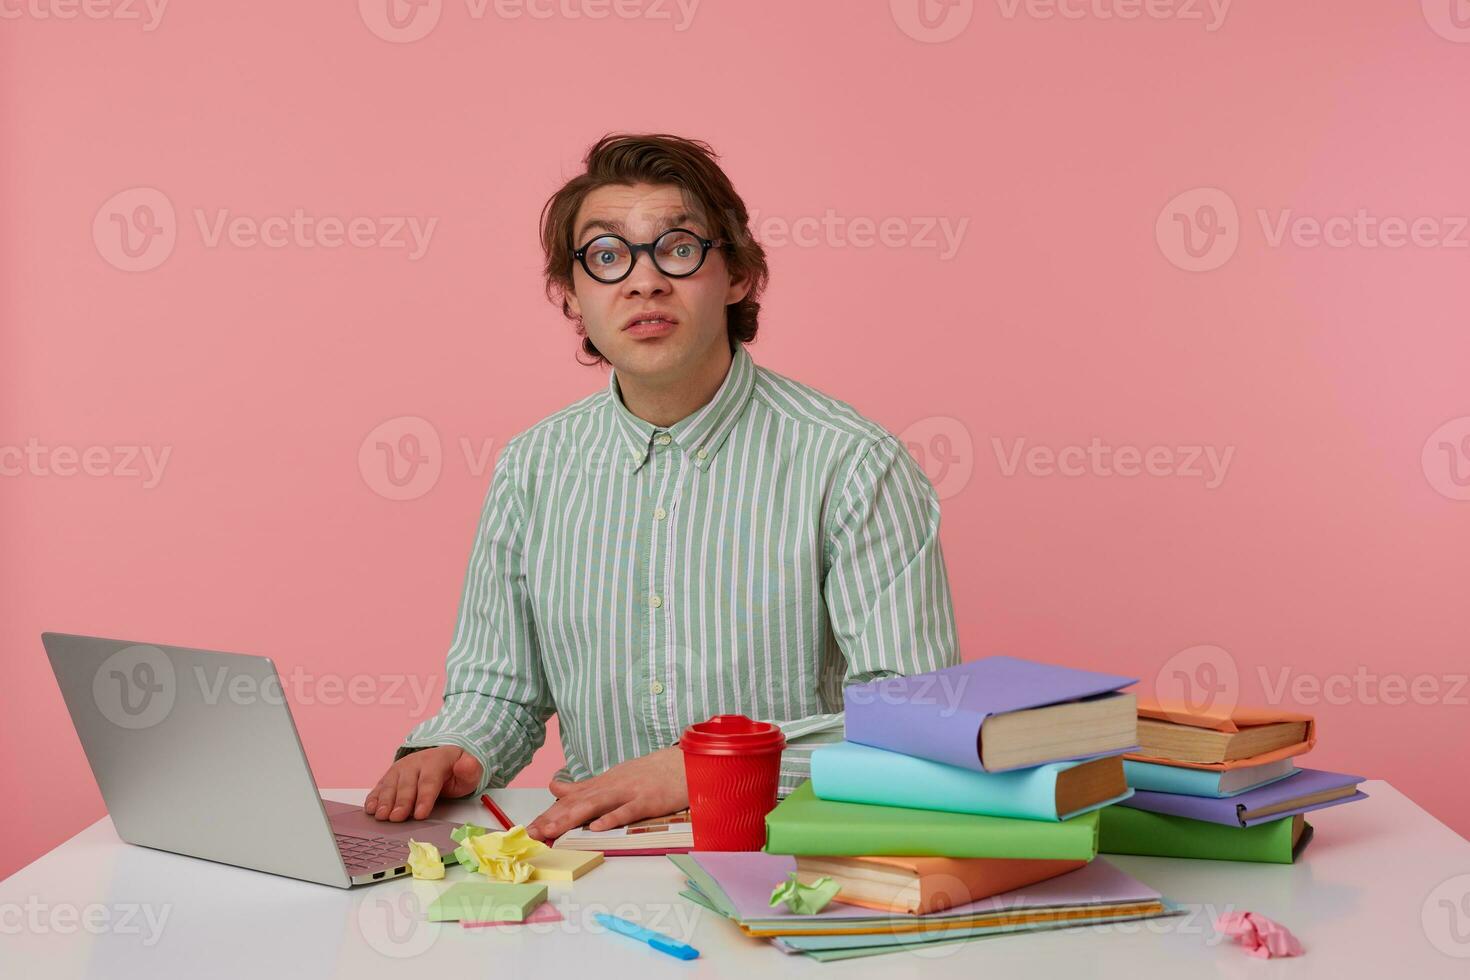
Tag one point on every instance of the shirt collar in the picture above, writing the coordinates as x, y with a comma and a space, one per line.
700, 434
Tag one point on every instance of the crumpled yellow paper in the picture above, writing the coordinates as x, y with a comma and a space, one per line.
424, 860
804, 899
499, 854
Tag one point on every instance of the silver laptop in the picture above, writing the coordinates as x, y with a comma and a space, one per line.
196, 753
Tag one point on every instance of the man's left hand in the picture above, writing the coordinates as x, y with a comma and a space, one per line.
649, 786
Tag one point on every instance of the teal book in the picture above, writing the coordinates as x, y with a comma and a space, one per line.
803, 824
853, 773
1158, 777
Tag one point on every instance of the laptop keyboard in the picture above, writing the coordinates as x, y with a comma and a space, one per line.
367, 854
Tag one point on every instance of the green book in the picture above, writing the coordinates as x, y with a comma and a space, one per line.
804, 824
487, 901
1129, 831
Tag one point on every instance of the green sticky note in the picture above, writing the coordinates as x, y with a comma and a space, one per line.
487, 901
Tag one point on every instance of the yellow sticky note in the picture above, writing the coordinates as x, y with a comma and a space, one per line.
554, 865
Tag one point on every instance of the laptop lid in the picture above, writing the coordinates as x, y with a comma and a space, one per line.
195, 752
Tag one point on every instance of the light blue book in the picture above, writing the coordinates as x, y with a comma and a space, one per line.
1216, 784
853, 773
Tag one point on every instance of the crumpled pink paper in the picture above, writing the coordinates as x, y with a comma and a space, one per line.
1259, 935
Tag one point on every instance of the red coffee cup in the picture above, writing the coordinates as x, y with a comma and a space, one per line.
733, 768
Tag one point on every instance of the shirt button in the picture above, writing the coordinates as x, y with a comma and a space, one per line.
656, 687
702, 454
663, 439
655, 601
659, 513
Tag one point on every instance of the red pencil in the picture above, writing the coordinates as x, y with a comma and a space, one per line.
499, 813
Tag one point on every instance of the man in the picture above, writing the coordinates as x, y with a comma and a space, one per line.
703, 537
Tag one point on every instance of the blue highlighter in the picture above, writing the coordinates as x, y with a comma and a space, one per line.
657, 940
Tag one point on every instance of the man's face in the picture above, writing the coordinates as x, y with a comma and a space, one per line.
693, 305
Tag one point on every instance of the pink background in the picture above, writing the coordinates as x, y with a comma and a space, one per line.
1335, 543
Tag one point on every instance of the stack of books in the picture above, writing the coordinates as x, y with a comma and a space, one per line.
964, 799
1222, 785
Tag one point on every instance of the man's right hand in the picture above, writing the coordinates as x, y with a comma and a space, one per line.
414, 782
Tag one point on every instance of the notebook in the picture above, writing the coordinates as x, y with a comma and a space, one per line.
672, 834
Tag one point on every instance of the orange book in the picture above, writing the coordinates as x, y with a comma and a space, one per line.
916, 885
1220, 739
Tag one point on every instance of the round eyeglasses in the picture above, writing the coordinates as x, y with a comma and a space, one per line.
676, 253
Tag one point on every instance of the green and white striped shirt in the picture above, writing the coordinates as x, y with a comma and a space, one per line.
751, 558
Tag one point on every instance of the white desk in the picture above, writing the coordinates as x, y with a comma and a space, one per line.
1383, 891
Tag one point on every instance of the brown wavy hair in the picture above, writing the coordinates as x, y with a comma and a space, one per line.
658, 158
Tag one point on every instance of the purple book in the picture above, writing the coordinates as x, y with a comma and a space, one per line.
941, 715
1284, 798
